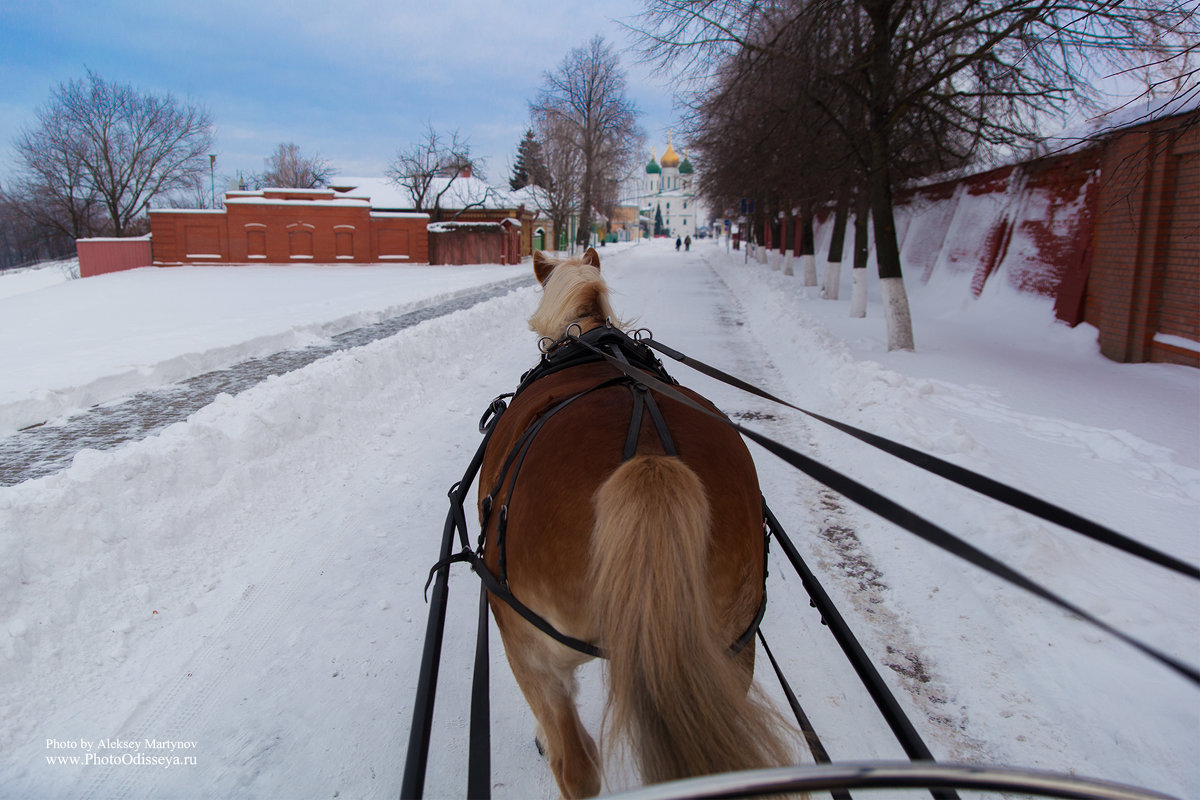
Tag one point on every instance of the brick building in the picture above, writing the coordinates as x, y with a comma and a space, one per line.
288, 226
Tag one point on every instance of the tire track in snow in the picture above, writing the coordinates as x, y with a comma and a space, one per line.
859, 580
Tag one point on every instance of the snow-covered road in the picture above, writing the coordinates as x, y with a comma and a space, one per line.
249, 582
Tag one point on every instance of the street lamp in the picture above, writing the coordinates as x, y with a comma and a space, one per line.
212, 178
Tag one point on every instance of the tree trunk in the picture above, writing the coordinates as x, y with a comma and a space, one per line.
837, 243
879, 184
858, 296
887, 256
789, 263
808, 255
760, 250
584, 234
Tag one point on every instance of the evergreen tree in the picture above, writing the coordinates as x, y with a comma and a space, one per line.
528, 168
658, 225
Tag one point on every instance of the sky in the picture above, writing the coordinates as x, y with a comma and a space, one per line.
352, 81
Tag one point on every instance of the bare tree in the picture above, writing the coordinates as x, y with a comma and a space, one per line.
53, 189
968, 76
586, 99
429, 167
29, 235
560, 172
289, 168
98, 143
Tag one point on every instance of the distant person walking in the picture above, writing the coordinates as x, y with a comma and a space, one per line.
687, 242
677, 243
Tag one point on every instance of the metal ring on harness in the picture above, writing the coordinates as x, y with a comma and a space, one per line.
640, 335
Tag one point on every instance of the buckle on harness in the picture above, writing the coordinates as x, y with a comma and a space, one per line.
493, 412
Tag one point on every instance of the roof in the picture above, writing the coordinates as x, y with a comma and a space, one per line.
670, 157
460, 193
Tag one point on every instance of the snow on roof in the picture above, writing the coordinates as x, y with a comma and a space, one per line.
341, 202
532, 197
460, 193
383, 193
276, 189
444, 227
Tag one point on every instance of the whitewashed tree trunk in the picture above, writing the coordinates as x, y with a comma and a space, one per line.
833, 277
762, 254
808, 264
789, 264
896, 314
858, 294
773, 259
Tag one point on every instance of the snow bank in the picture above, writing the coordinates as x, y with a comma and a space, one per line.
67, 346
19, 281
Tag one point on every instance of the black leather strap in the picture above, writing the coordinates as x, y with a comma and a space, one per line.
960, 475
923, 528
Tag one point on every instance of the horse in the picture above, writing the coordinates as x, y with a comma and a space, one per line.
657, 559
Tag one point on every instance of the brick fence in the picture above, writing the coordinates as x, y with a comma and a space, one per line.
1109, 230
101, 256
289, 226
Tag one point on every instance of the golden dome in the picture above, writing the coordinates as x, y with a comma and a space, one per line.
669, 158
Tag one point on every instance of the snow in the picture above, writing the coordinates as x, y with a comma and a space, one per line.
147, 327
1177, 341
457, 192
250, 580
19, 281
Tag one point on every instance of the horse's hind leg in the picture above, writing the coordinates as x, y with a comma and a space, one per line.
545, 671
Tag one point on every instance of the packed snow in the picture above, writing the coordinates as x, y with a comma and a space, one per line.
245, 589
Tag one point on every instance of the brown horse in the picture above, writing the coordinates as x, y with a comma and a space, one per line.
658, 560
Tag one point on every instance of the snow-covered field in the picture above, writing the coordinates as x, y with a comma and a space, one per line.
249, 582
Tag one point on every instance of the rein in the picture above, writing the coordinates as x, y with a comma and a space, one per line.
603, 343
923, 528
645, 373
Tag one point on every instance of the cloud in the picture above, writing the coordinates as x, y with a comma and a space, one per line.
352, 80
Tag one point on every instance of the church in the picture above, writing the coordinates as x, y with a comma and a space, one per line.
668, 188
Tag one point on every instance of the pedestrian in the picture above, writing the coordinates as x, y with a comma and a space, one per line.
677, 243
687, 242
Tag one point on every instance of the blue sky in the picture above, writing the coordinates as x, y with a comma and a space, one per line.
352, 80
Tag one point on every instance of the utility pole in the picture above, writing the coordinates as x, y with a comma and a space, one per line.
212, 178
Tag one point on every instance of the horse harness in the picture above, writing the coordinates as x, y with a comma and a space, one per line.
596, 345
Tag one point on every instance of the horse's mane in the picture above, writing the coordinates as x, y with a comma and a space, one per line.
574, 292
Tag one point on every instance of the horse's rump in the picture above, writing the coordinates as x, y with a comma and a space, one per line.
551, 509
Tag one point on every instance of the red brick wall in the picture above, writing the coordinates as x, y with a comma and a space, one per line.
100, 256
398, 238
1110, 231
279, 226
175, 234
1178, 302
1145, 262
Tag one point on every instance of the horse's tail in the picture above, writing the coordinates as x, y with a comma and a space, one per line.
677, 697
